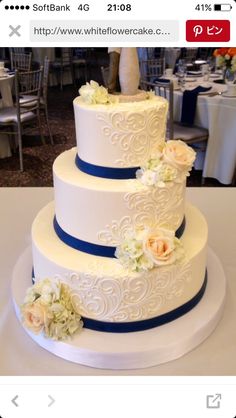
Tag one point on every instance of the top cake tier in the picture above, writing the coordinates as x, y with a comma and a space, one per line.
120, 135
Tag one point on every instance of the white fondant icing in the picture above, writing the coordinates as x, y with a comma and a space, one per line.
101, 211
105, 290
121, 134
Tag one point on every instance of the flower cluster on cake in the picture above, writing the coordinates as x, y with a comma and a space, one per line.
48, 308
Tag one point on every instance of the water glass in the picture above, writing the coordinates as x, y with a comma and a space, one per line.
205, 72
181, 74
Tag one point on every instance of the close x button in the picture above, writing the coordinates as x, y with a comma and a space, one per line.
208, 30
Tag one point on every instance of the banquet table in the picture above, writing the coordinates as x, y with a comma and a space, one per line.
6, 83
217, 113
21, 356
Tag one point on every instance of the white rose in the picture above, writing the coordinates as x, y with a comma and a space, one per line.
179, 155
87, 93
101, 95
92, 93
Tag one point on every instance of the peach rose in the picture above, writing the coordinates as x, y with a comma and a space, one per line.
179, 155
34, 316
160, 247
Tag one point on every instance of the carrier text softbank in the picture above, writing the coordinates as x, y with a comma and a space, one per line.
51, 7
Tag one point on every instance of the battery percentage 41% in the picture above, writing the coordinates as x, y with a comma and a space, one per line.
203, 7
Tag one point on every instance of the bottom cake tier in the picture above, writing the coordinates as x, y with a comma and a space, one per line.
105, 292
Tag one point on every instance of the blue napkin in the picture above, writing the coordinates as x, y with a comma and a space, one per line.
161, 80
194, 73
220, 81
189, 104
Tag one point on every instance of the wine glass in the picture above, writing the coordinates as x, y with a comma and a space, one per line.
230, 76
181, 73
230, 81
205, 72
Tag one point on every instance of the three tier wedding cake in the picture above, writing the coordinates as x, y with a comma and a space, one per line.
119, 250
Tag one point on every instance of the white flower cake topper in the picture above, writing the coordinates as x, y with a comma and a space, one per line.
92, 93
48, 309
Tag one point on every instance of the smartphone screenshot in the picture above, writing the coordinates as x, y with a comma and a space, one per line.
117, 209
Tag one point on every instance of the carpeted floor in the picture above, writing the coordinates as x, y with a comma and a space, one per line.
38, 158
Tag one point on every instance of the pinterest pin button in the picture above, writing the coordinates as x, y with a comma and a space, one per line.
208, 30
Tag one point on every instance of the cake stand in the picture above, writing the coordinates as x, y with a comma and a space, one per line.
134, 350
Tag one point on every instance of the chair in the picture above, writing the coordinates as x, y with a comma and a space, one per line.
79, 61
151, 69
21, 62
191, 135
18, 50
63, 64
105, 75
205, 53
13, 120
26, 100
189, 55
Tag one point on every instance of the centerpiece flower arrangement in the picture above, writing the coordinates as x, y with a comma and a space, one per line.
48, 309
171, 164
226, 58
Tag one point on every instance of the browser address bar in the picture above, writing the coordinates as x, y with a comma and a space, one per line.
104, 31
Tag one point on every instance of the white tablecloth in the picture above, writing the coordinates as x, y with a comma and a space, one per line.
6, 93
21, 356
218, 115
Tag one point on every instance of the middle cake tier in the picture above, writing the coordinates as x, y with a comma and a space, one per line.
102, 211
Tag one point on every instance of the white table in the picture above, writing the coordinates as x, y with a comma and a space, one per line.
6, 93
218, 115
21, 356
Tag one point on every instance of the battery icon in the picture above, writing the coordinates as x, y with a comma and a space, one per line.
224, 7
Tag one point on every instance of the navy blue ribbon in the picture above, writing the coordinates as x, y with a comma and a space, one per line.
106, 172
121, 327
95, 249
